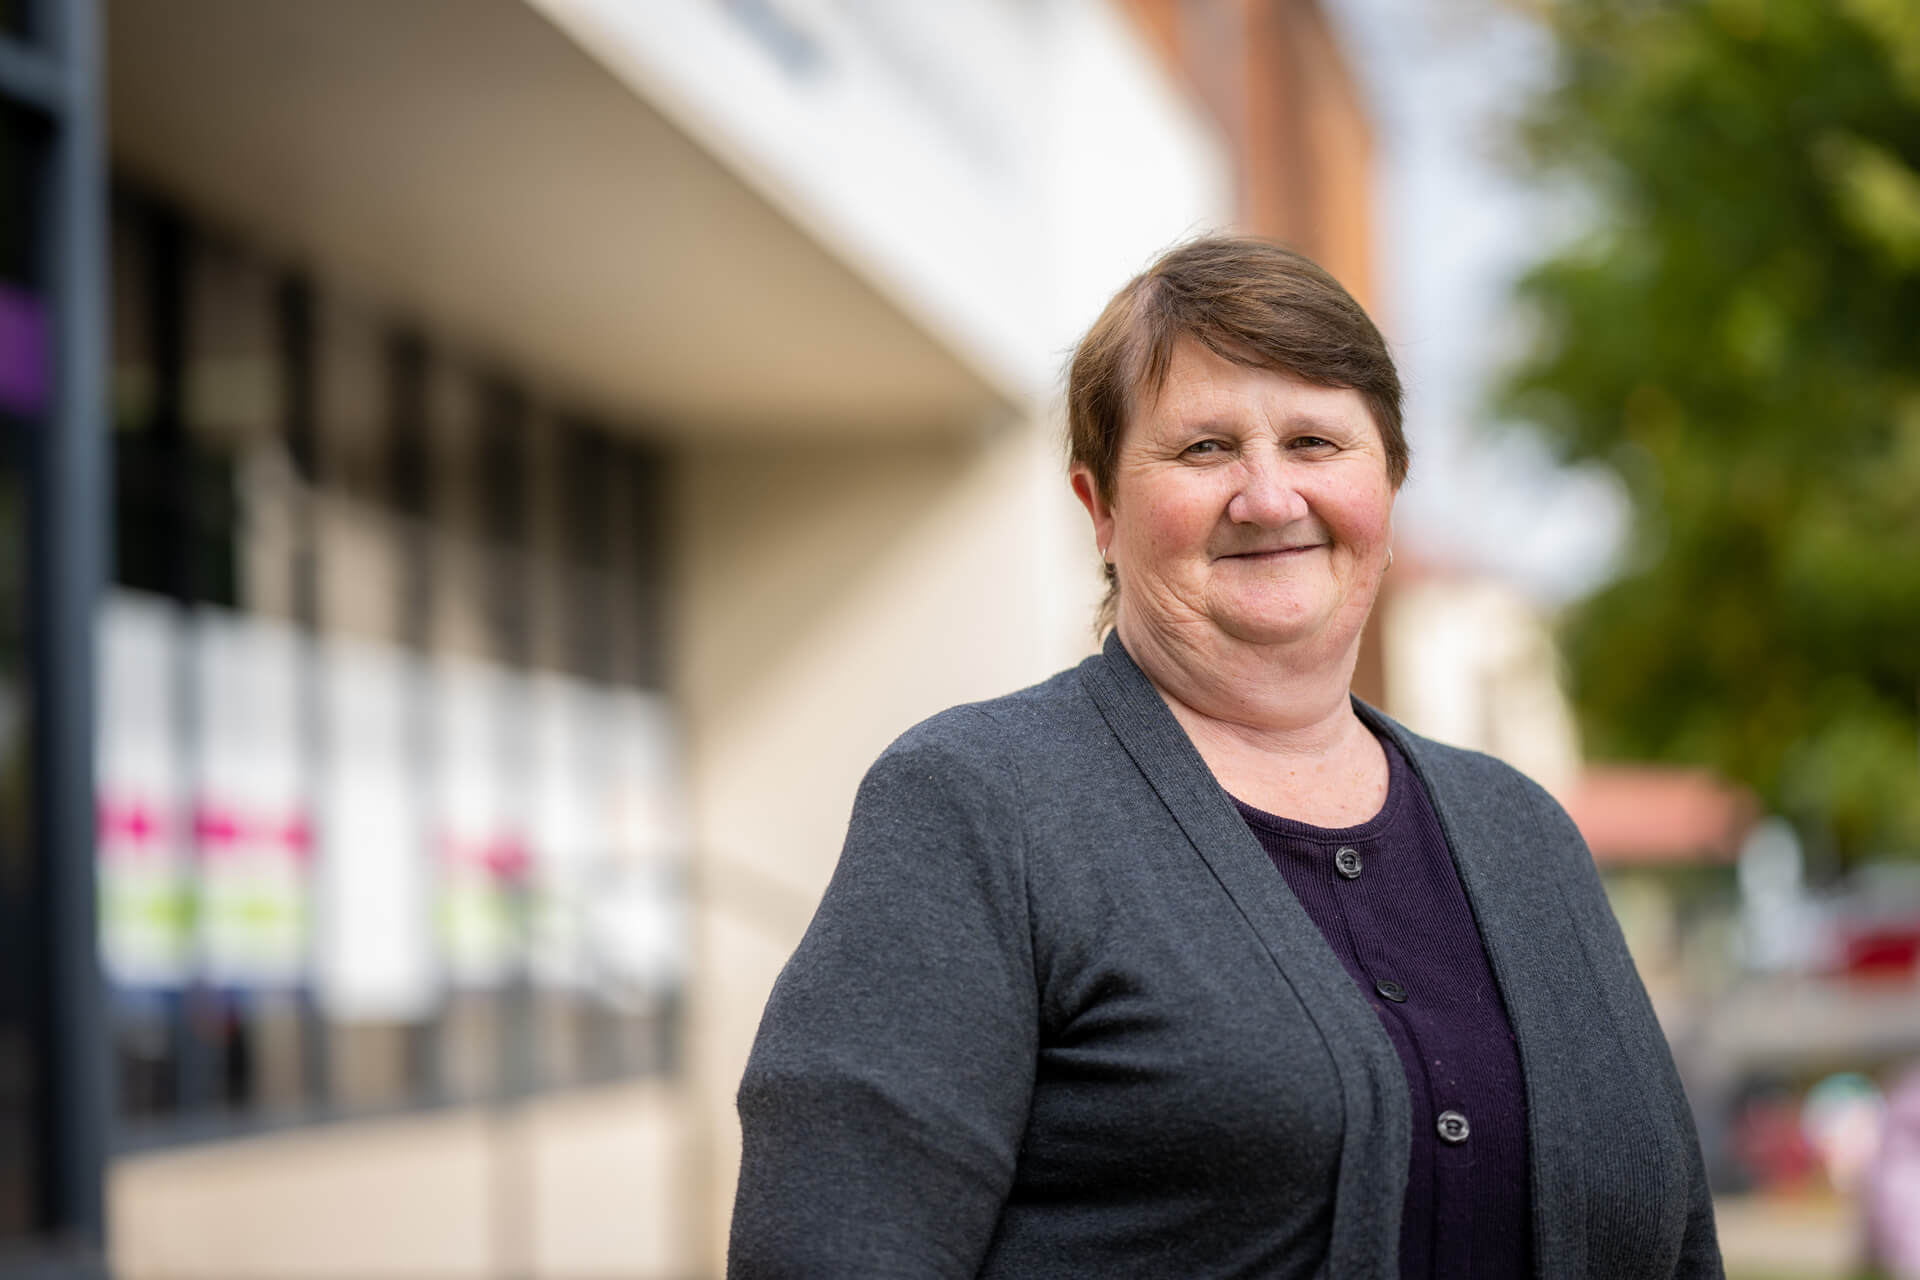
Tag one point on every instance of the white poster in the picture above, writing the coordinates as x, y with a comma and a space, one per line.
252, 832
376, 939
636, 925
482, 856
570, 741
143, 845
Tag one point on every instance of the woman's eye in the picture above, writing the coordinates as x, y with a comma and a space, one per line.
1312, 442
1205, 446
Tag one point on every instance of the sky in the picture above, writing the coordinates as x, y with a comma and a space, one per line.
1456, 225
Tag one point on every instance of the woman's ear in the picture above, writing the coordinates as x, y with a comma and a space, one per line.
1099, 510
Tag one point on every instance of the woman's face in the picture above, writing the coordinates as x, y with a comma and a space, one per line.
1247, 502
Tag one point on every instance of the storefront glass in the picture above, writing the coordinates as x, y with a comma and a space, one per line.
397, 821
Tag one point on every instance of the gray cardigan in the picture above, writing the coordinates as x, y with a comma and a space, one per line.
1058, 1015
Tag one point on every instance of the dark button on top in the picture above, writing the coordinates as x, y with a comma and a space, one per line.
1391, 990
1347, 863
1453, 1127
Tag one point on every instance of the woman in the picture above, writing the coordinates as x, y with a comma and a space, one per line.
1186, 962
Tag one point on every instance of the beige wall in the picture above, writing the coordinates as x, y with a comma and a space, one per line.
1471, 662
828, 599
575, 1186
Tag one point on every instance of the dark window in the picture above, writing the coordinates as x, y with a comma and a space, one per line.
587, 477
174, 499
505, 498
22, 147
646, 542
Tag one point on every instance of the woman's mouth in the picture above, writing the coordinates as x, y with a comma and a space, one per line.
1274, 553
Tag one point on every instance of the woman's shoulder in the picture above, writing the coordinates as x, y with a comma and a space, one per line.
1494, 789
963, 781
1033, 722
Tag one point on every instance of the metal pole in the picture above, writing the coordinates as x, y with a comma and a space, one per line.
68, 562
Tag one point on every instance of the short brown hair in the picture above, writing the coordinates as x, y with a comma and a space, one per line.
1247, 300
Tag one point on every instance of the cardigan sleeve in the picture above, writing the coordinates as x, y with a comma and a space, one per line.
887, 1092
1698, 1257
1700, 1247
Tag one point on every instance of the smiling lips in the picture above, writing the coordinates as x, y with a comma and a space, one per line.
1265, 552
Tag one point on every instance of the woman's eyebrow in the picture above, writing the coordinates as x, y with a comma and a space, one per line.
1320, 423
1210, 422
1228, 425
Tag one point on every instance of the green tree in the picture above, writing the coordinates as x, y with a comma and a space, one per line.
1739, 337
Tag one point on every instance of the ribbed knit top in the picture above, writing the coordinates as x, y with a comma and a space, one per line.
1386, 896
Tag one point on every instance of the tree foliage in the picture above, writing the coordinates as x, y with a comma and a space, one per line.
1739, 337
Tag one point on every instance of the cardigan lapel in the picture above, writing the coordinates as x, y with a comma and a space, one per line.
1550, 992
1374, 1149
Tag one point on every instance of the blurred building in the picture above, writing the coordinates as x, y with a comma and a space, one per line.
555, 445
1469, 660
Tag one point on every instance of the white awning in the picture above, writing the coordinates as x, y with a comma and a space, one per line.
468, 163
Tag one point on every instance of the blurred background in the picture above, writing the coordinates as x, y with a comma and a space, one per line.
481, 479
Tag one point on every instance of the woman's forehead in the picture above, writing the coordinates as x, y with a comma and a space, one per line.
1202, 386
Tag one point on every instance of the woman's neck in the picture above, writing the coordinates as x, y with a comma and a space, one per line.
1276, 726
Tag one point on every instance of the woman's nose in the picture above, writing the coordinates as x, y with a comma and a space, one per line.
1267, 495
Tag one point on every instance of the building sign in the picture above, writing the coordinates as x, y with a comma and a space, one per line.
636, 926
252, 833
482, 858
610, 837
375, 959
145, 885
571, 734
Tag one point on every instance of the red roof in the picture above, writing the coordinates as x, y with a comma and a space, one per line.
1638, 815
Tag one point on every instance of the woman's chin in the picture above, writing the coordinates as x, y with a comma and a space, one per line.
1271, 626
1322, 620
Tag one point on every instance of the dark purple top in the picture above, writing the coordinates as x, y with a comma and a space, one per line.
1387, 898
